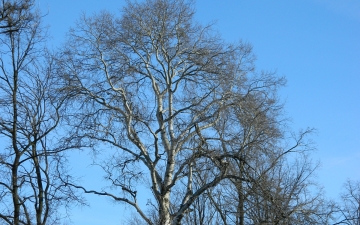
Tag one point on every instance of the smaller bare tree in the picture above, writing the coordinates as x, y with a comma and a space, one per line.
350, 206
288, 194
31, 161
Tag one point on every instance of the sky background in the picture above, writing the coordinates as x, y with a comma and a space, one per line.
315, 44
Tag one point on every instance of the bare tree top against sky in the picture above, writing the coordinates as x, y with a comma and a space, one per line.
176, 103
181, 123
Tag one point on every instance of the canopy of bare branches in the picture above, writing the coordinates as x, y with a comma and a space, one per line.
185, 112
176, 114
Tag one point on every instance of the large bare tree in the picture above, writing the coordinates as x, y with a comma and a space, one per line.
31, 159
168, 100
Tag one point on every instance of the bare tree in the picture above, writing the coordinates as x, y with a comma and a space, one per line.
277, 182
162, 93
288, 195
349, 208
31, 160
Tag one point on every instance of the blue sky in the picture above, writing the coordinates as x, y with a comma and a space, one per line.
314, 43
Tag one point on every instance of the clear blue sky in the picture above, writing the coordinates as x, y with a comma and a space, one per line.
314, 43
